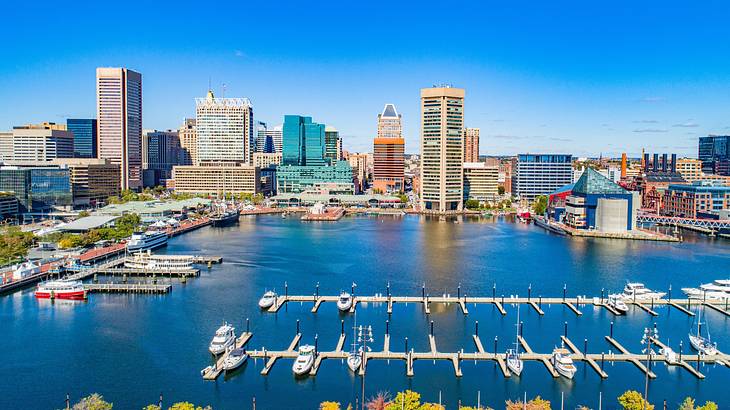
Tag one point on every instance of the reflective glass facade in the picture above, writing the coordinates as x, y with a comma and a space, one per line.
38, 189
84, 130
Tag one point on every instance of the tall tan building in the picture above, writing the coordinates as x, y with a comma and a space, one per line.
119, 122
224, 129
360, 165
389, 152
471, 144
188, 134
442, 149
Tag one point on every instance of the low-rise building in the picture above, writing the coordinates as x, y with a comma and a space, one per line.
266, 159
300, 178
690, 169
700, 197
42, 142
480, 181
38, 189
216, 178
93, 180
596, 202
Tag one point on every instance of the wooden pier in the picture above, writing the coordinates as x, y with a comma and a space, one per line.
144, 288
217, 369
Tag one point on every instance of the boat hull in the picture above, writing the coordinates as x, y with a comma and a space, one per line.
302, 370
224, 221
353, 362
75, 295
232, 364
514, 366
344, 307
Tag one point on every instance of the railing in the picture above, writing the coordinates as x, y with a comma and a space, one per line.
673, 220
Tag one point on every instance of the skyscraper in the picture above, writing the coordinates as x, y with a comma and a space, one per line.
714, 152
84, 130
188, 134
442, 148
119, 121
331, 150
471, 144
304, 142
541, 174
389, 152
225, 129
160, 152
268, 139
42, 142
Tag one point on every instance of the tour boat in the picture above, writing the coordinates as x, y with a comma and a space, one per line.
617, 304
61, 289
305, 360
514, 362
225, 336
563, 363
143, 241
718, 289
637, 291
145, 260
267, 300
235, 359
344, 303
700, 343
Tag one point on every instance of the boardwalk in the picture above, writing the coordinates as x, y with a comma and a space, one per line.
144, 288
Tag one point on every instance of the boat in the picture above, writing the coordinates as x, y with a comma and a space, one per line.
637, 291
145, 241
305, 360
267, 300
224, 337
235, 359
617, 304
145, 260
206, 370
344, 303
225, 218
354, 358
61, 289
669, 355
703, 345
562, 362
514, 361
718, 289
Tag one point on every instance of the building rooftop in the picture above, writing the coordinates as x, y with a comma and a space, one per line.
88, 223
153, 207
592, 182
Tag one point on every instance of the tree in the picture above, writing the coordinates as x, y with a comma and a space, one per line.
329, 405
14, 244
407, 400
500, 190
689, 404
471, 204
632, 400
403, 198
83, 214
93, 402
537, 403
540, 205
151, 407
184, 405
378, 402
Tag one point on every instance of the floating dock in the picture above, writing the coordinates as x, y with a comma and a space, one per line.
144, 288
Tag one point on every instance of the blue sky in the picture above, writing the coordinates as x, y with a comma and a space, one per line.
560, 76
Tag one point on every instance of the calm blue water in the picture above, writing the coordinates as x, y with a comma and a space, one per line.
131, 348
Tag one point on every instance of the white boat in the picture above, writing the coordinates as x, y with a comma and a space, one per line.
305, 360
514, 361
718, 289
669, 355
61, 289
145, 260
637, 291
267, 300
563, 363
617, 304
143, 241
224, 337
235, 359
353, 360
702, 344
344, 303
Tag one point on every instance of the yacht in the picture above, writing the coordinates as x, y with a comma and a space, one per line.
702, 344
637, 291
61, 289
224, 337
144, 241
305, 360
617, 304
514, 362
718, 289
145, 260
235, 359
267, 300
563, 363
344, 303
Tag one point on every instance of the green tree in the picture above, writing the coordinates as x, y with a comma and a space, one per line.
540, 205
184, 405
633, 400
14, 244
500, 190
689, 404
407, 400
471, 204
151, 407
403, 198
93, 402
83, 214
537, 403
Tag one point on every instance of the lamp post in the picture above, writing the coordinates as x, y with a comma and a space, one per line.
647, 338
364, 336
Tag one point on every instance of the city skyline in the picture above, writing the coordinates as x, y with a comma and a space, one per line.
565, 79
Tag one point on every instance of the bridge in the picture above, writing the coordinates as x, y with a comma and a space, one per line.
674, 220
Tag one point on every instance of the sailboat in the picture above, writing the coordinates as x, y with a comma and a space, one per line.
700, 343
514, 362
354, 358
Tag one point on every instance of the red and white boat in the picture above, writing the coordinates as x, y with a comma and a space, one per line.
61, 289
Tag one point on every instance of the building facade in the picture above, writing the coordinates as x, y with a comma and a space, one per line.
300, 178
266, 159
93, 180
161, 151
700, 197
541, 174
188, 134
596, 202
714, 152
690, 169
43, 142
216, 178
119, 122
442, 150
389, 152
332, 145
38, 189
225, 129
481, 182
8, 207
269, 139
84, 131
471, 145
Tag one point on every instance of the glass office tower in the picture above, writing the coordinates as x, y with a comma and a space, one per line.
84, 130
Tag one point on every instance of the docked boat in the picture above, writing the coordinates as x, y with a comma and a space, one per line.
513, 359
563, 363
235, 359
225, 217
145, 241
224, 337
344, 303
145, 260
267, 300
703, 345
637, 291
718, 289
617, 304
354, 359
61, 289
305, 360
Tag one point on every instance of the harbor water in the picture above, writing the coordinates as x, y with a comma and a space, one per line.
131, 348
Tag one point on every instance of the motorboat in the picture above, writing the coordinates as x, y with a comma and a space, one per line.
235, 359
267, 300
563, 363
703, 345
617, 304
718, 289
637, 291
513, 359
224, 337
305, 360
61, 289
669, 355
144, 241
344, 303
